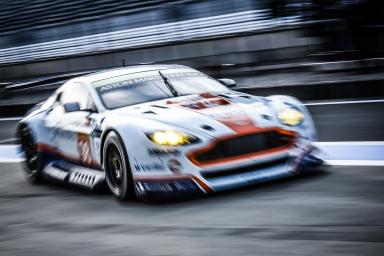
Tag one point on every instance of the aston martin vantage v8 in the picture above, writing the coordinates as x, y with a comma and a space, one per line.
162, 130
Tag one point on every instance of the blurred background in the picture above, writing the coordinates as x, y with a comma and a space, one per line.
328, 53
260, 43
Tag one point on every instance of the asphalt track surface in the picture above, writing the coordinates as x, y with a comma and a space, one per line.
337, 212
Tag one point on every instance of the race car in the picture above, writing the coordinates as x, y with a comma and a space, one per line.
158, 130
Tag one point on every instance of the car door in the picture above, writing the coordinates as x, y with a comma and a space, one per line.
74, 119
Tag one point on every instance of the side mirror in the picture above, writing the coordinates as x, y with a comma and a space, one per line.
230, 83
71, 107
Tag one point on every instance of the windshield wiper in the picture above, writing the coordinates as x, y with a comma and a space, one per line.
169, 84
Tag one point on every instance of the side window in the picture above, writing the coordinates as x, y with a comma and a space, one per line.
77, 93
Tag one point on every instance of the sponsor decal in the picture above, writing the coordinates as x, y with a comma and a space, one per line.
220, 109
227, 113
148, 167
174, 166
163, 151
202, 101
84, 148
233, 117
127, 82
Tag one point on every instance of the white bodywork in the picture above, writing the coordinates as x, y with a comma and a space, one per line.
78, 136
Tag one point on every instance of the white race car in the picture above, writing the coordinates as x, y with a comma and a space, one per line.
164, 130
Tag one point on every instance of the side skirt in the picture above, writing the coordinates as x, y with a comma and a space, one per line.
72, 174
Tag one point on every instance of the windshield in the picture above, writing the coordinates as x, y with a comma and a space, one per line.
121, 91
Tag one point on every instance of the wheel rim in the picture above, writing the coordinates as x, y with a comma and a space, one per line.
30, 150
115, 168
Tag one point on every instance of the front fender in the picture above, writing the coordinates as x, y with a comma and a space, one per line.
307, 128
35, 123
132, 131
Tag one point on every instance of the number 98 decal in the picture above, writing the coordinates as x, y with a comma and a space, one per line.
84, 148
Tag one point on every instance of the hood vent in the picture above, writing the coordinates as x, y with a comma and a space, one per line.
267, 117
149, 112
207, 127
159, 106
224, 96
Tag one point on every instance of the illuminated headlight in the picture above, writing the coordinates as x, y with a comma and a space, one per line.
171, 138
290, 116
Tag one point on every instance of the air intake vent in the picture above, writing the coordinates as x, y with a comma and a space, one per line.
243, 146
251, 168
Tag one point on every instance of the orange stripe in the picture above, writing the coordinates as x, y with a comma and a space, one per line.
202, 184
239, 123
45, 148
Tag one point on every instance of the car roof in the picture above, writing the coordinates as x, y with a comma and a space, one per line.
127, 70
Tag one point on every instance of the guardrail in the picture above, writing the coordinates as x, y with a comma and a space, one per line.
215, 26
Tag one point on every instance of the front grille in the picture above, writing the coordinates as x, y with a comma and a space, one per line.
243, 145
250, 168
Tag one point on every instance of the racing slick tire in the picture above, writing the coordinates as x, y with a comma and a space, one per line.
117, 169
32, 164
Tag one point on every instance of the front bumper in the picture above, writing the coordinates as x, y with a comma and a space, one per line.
277, 167
168, 187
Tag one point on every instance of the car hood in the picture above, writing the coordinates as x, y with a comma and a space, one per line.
215, 114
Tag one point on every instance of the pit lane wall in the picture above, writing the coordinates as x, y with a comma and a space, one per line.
207, 54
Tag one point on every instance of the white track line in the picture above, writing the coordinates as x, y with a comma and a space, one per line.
343, 102
14, 157
11, 160
355, 162
338, 62
7, 140
11, 118
349, 143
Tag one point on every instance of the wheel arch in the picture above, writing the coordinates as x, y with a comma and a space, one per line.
20, 126
129, 187
104, 137
102, 142
34, 123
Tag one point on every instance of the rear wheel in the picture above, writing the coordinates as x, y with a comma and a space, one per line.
117, 169
32, 164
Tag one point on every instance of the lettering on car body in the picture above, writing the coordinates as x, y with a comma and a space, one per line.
163, 151
148, 167
84, 148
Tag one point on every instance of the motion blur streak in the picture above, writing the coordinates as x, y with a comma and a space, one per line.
328, 54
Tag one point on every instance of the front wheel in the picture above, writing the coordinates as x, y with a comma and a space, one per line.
117, 169
32, 164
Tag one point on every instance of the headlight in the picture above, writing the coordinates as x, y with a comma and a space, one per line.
171, 138
290, 116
